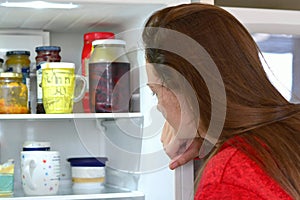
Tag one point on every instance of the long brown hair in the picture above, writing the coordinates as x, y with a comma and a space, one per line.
255, 110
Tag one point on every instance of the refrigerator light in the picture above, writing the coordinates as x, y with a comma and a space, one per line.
39, 5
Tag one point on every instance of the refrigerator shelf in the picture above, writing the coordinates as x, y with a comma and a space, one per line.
118, 195
68, 116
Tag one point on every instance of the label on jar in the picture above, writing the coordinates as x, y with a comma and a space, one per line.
25, 74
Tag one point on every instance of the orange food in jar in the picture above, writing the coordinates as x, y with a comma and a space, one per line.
13, 94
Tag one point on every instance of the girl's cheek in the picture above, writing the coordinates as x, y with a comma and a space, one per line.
163, 111
160, 108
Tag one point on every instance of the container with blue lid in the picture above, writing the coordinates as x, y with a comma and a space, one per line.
18, 61
88, 174
18, 52
87, 161
47, 48
36, 146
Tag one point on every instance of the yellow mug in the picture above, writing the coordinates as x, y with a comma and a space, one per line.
58, 84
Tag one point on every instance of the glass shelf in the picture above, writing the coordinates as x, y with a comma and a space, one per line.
68, 116
107, 193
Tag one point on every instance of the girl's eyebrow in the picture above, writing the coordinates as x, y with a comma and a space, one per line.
150, 84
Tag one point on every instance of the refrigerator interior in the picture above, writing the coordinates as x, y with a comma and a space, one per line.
137, 166
76, 136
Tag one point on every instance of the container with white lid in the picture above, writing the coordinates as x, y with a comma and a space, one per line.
109, 77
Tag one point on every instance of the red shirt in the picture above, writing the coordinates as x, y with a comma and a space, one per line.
232, 175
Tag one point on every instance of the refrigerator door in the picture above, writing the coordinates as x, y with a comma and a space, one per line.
184, 182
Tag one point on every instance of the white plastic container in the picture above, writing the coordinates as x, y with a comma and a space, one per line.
88, 174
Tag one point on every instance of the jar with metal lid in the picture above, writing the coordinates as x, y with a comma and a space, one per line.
109, 77
19, 62
47, 54
13, 94
44, 54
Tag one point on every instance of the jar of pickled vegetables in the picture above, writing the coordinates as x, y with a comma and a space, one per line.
13, 94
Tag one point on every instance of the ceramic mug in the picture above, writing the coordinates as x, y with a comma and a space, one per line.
40, 171
58, 84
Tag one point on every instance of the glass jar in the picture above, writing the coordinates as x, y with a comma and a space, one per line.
109, 77
44, 54
19, 62
87, 50
47, 54
13, 94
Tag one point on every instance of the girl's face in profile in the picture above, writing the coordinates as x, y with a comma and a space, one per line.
168, 103
177, 139
174, 107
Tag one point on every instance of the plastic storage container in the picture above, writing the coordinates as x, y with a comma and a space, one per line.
44, 54
13, 94
109, 77
88, 174
87, 50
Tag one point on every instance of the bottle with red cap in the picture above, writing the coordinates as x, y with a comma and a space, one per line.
86, 53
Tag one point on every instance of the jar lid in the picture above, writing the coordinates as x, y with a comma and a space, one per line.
109, 41
10, 75
87, 161
1, 60
47, 48
98, 35
24, 70
9, 53
68, 65
36, 146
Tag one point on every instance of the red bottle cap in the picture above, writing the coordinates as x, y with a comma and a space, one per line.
98, 35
